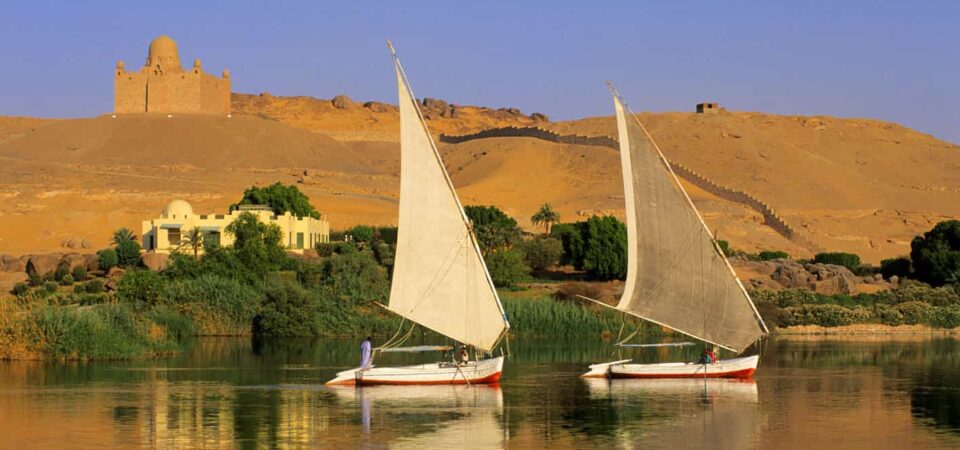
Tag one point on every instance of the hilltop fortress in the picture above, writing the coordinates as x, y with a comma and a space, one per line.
163, 86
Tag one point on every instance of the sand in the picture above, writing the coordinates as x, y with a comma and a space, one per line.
846, 184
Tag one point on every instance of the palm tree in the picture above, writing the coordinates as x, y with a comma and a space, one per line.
546, 216
193, 239
123, 234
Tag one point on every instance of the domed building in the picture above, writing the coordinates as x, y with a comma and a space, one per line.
177, 220
163, 86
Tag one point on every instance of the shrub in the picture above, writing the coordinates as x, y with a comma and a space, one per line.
936, 254
823, 315
34, 280
20, 289
605, 252
848, 260
888, 315
79, 273
217, 305
128, 253
50, 287
67, 280
61, 272
383, 253
355, 278
107, 259
899, 267
724, 247
506, 267
104, 331
913, 291
94, 286
570, 291
915, 312
287, 310
945, 316
768, 255
361, 233
176, 325
141, 287
542, 252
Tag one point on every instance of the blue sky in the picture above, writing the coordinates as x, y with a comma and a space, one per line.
896, 61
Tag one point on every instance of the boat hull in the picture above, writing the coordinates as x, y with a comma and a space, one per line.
475, 372
741, 368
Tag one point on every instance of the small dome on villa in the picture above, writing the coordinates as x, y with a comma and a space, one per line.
177, 209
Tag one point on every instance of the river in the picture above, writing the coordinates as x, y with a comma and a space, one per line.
237, 393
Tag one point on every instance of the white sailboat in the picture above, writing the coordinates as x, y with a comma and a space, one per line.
440, 280
677, 276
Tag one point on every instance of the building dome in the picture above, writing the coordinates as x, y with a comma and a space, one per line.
163, 53
177, 209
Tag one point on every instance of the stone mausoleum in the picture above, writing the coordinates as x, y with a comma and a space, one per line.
168, 232
163, 86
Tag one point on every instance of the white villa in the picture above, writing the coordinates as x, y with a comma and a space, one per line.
163, 234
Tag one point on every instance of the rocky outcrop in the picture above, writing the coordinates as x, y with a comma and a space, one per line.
91, 262
72, 261
155, 261
824, 279
75, 243
379, 107
539, 117
40, 265
10, 263
343, 102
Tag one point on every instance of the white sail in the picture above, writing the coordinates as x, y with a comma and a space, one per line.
439, 277
676, 274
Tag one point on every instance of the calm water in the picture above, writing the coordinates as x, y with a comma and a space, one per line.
234, 393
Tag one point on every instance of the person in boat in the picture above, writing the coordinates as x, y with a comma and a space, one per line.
707, 357
366, 351
462, 358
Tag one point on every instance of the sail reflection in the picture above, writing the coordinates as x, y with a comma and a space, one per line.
711, 413
427, 417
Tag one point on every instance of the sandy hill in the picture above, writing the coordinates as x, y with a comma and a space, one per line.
348, 120
844, 184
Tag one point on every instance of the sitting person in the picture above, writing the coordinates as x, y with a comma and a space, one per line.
462, 358
707, 357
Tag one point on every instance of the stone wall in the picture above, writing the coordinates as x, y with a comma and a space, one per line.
183, 92
770, 218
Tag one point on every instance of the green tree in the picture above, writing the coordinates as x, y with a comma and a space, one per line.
936, 254
280, 199
899, 267
355, 278
605, 248
141, 287
542, 252
571, 236
546, 217
107, 259
288, 310
193, 239
123, 235
494, 228
256, 245
128, 253
724, 247
506, 267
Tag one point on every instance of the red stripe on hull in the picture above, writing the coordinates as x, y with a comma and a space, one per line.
741, 374
489, 379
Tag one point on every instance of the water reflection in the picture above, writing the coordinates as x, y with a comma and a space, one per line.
232, 393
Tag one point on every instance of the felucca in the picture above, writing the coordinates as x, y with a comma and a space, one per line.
440, 280
677, 276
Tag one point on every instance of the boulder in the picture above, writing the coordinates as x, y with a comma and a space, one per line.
115, 272
379, 107
72, 261
110, 285
343, 102
75, 243
434, 103
539, 117
791, 274
40, 265
91, 262
829, 279
10, 263
155, 261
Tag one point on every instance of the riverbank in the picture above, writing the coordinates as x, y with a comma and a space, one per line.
866, 329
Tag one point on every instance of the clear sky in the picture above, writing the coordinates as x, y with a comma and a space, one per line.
896, 61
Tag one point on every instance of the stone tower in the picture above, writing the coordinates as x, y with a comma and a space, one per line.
163, 86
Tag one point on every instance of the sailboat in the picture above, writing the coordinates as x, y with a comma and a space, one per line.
440, 281
677, 275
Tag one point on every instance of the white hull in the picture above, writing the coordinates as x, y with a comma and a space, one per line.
725, 368
473, 372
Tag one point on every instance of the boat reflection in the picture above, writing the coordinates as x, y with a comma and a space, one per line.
710, 413
427, 416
